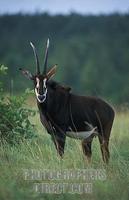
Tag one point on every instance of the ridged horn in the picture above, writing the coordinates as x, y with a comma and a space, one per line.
46, 58
36, 58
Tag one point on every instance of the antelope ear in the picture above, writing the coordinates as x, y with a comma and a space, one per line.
51, 72
27, 74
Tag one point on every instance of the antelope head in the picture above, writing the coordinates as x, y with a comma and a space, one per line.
40, 79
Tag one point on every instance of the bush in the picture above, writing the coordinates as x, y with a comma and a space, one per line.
14, 119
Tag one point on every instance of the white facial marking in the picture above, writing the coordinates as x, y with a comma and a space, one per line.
44, 83
41, 98
37, 85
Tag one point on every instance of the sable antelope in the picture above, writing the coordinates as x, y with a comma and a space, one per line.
63, 113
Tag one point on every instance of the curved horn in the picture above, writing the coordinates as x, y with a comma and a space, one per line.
36, 58
46, 58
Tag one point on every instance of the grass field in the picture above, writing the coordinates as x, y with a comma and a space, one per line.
40, 154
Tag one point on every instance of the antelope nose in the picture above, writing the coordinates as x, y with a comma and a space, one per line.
41, 97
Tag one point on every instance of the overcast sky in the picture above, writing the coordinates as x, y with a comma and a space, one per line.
64, 6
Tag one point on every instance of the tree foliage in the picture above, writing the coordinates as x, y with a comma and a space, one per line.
92, 52
15, 125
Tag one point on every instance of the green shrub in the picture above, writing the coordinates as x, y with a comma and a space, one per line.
15, 125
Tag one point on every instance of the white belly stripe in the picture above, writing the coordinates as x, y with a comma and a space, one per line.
81, 135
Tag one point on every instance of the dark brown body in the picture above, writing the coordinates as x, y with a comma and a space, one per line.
63, 110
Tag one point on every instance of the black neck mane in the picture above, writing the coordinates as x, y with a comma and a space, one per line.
57, 96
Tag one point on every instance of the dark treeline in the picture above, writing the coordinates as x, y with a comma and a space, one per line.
92, 52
